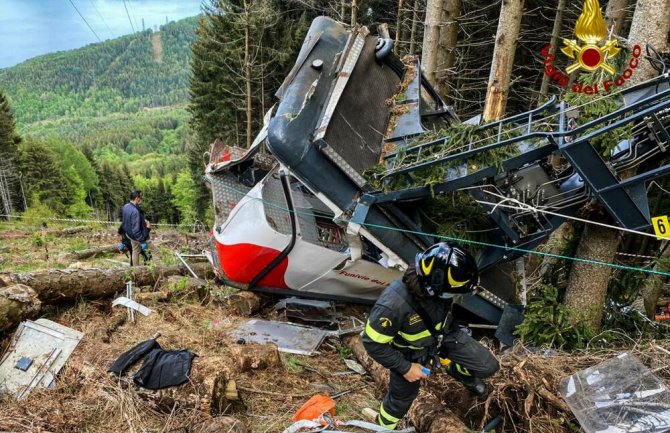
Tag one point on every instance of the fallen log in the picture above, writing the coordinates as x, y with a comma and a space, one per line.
90, 252
67, 285
427, 413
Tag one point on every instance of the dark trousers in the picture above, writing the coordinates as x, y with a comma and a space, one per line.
458, 346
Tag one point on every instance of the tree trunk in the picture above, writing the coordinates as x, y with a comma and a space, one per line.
587, 284
555, 35
503, 59
354, 13
615, 15
247, 74
18, 302
90, 252
446, 54
651, 25
398, 26
431, 39
67, 285
415, 25
427, 413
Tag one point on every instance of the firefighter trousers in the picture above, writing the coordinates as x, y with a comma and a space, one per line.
470, 356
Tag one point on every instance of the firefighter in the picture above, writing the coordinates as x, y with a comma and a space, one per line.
398, 333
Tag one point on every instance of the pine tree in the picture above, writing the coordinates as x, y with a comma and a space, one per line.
43, 176
9, 178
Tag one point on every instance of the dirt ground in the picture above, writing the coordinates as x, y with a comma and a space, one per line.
88, 399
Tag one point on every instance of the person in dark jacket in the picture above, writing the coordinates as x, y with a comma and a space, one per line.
398, 336
135, 227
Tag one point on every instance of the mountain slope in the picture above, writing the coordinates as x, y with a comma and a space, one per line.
125, 75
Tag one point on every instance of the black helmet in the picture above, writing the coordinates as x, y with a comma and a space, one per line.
444, 268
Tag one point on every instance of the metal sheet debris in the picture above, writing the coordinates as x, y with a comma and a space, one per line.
129, 303
355, 366
309, 310
47, 345
289, 337
618, 395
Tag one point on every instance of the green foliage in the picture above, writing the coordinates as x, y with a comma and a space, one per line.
548, 322
37, 212
344, 351
185, 199
594, 106
9, 139
44, 176
120, 75
37, 240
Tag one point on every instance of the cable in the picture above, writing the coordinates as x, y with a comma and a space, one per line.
128, 14
102, 18
132, 12
460, 240
527, 207
76, 220
82, 17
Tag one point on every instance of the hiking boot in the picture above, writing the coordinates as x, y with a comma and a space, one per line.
473, 384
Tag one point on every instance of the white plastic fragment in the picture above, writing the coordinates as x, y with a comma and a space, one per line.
129, 303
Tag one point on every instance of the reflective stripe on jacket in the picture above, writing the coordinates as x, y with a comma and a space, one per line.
394, 329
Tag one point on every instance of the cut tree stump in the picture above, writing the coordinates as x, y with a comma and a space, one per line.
225, 398
244, 302
427, 413
17, 303
256, 356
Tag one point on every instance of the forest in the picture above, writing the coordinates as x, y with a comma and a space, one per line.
80, 129
104, 119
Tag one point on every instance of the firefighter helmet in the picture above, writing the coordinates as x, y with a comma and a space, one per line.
445, 269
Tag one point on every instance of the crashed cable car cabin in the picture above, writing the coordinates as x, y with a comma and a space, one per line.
295, 216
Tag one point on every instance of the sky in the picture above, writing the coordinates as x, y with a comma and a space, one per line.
29, 28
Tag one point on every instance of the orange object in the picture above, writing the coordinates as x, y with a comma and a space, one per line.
660, 317
315, 407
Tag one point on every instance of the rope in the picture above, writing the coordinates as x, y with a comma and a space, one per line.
463, 241
527, 207
90, 221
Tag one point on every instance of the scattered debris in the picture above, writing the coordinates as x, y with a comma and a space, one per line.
308, 310
355, 366
289, 337
161, 368
618, 395
132, 305
36, 353
315, 407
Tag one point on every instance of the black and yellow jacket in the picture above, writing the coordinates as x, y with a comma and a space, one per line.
395, 333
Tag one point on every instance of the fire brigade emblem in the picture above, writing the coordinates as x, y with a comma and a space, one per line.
385, 323
591, 30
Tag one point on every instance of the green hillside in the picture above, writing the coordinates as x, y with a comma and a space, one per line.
101, 120
122, 75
